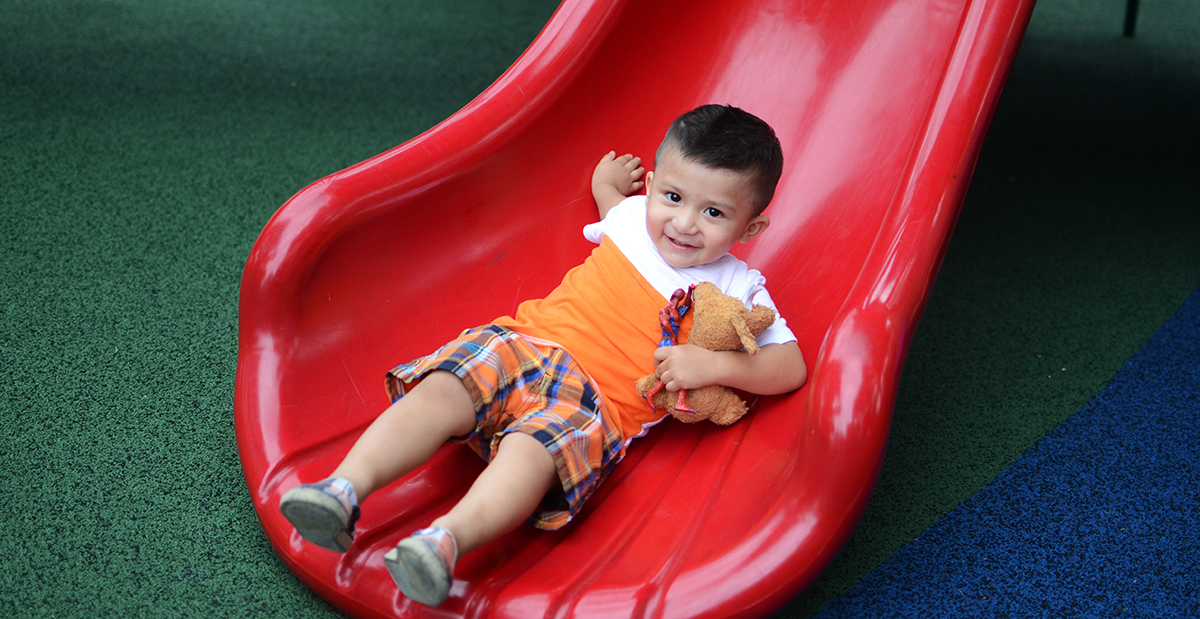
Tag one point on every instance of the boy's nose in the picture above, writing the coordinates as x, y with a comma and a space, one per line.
685, 221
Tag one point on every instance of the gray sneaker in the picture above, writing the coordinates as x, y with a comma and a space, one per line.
422, 565
320, 515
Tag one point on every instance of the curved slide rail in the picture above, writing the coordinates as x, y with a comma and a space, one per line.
881, 106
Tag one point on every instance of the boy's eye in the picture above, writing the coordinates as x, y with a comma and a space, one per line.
674, 197
713, 212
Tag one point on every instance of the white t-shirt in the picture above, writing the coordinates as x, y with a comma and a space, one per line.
625, 224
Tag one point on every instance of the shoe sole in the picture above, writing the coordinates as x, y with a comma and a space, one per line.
417, 571
317, 517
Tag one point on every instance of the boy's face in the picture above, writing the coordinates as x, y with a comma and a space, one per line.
695, 214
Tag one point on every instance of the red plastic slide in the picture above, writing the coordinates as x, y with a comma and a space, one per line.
881, 106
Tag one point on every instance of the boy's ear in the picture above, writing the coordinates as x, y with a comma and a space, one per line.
757, 224
649, 179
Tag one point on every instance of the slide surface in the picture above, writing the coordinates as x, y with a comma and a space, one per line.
881, 106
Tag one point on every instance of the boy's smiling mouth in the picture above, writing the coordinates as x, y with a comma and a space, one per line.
677, 243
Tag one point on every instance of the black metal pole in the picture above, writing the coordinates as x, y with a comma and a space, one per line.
1131, 11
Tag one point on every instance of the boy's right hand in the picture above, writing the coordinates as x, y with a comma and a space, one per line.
685, 366
616, 178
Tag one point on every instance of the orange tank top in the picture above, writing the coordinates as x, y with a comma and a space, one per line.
605, 314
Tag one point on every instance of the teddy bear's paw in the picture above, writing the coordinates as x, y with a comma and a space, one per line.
687, 416
646, 384
729, 409
727, 418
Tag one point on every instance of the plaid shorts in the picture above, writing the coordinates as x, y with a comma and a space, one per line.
526, 385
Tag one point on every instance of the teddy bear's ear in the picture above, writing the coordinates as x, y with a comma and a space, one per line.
760, 318
703, 292
743, 330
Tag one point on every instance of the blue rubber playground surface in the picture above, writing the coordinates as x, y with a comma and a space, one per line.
1042, 455
1100, 518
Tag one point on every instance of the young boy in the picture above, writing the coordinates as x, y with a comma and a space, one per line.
547, 396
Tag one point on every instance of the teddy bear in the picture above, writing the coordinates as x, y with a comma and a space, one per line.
720, 323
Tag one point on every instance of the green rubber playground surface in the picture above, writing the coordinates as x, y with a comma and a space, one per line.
143, 145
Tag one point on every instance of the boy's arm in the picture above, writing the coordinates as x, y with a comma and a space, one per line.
777, 368
614, 179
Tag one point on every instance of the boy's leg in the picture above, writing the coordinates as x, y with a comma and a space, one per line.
409, 432
399, 440
504, 495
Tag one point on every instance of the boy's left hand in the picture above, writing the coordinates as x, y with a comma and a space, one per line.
616, 178
685, 366
623, 173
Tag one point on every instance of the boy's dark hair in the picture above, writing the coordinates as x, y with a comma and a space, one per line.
723, 136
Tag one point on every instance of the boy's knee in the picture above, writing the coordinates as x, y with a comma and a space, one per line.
447, 384
443, 394
529, 452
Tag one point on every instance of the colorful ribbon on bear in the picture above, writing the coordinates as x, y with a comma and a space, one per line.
669, 318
